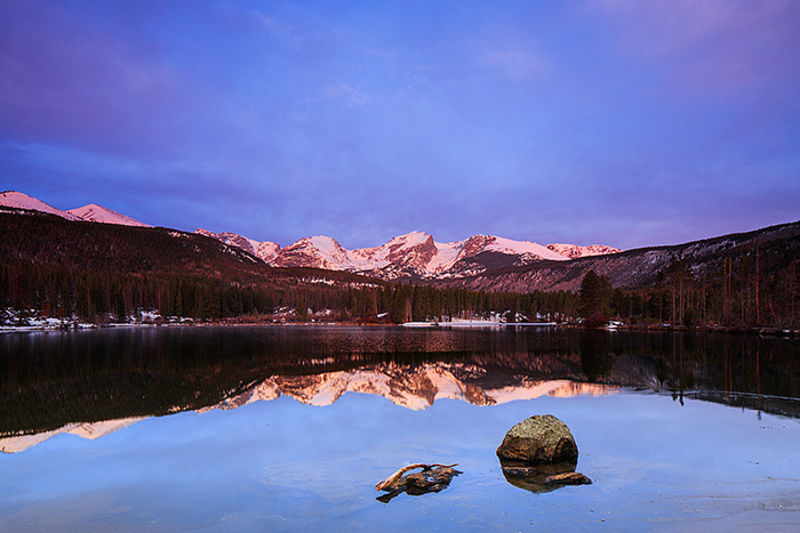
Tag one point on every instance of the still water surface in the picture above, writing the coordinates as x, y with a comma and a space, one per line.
271, 429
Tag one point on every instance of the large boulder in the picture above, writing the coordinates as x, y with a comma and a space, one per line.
539, 439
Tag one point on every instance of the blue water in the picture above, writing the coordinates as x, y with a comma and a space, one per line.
282, 465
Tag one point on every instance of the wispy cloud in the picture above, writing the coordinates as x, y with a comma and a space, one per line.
79, 83
710, 44
349, 95
270, 24
515, 62
281, 119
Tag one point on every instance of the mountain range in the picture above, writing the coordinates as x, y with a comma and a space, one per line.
775, 248
484, 262
413, 255
88, 213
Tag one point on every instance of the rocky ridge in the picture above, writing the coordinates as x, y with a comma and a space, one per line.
413, 255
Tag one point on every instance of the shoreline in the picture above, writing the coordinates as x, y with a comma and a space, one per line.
652, 328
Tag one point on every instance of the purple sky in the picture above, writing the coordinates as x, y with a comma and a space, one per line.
614, 121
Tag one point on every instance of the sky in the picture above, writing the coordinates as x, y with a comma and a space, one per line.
600, 121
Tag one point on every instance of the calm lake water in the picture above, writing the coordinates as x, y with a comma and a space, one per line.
290, 428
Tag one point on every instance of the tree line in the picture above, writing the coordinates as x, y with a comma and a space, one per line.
740, 292
103, 271
101, 296
729, 298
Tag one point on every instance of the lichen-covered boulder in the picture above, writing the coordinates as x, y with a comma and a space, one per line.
539, 439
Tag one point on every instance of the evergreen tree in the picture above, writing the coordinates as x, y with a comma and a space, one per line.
595, 298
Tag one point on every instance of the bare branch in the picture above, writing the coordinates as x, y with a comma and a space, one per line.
394, 477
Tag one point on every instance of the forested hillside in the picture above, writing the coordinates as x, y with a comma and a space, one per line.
102, 272
746, 279
107, 272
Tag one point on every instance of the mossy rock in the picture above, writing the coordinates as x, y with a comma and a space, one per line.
539, 439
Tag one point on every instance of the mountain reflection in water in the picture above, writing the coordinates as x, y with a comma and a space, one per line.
93, 383
413, 388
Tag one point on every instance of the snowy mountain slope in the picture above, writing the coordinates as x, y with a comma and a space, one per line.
265, 250
98, 213
89, 212
316, 252
414, 254
523, 248
573, 251
19, 200
778, 246
415, 249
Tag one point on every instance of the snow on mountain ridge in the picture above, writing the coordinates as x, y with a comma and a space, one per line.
88, 213
413, 254
504, 245
318, 251
20, 200
98, 213
267, 251
574, 251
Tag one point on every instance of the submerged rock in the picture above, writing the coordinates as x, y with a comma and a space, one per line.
539, 439
432, 478
518, 471
568, 478
544, 477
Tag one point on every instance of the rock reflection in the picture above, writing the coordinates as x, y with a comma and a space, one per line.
536, 478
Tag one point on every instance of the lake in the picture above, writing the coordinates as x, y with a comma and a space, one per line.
290, 428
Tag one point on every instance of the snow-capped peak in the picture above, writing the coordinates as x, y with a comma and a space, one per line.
89, 212
413, 250
327, 245
319, 251
412, 254
20, 200
409, 239
98, 213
